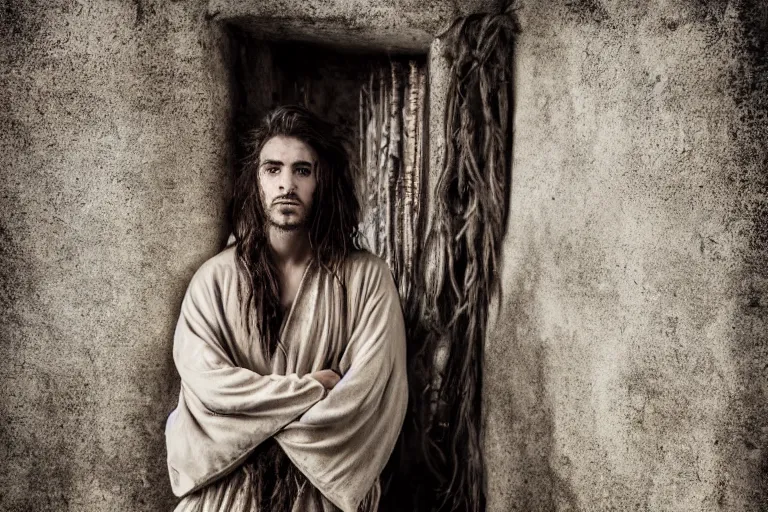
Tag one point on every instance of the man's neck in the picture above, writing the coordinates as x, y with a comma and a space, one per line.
289, 248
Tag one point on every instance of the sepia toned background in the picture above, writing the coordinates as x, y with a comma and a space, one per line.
627, 364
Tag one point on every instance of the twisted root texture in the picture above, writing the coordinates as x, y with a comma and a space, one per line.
391, 127
438, 465
464, 245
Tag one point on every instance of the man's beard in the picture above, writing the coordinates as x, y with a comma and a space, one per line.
283, 222
282, 225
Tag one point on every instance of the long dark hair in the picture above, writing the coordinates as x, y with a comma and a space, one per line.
332, 222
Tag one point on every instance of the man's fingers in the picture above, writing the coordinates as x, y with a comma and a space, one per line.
331, 378
334, 378
328, 378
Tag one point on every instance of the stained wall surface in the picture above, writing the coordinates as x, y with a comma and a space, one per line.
626, 369
113, 153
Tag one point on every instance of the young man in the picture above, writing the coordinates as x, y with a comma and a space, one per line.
290, 344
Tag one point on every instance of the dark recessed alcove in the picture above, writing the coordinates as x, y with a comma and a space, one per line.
327, 78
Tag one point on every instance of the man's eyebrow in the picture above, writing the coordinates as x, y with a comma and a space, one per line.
304, 163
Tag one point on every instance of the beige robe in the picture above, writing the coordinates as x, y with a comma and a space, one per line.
232, 400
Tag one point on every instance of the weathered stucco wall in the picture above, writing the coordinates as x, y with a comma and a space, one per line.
398, 26
626, 368
113, 150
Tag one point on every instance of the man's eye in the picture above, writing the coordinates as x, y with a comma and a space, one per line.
273, 170
304, 171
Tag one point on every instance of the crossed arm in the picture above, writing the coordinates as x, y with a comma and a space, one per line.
330, 428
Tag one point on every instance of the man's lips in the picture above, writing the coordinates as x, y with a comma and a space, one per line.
288, 202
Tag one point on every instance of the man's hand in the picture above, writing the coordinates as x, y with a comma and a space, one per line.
328, 378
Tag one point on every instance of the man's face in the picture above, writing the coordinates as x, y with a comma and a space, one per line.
287, 181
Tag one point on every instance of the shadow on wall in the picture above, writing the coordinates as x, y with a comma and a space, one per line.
743, 437
532, 484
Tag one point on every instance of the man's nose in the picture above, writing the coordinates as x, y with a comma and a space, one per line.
287, 183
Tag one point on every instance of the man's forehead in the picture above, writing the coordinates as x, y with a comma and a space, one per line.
287, 150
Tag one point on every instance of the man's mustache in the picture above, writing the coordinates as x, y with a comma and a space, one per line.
288, 197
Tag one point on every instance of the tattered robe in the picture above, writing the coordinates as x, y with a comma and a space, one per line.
232, 399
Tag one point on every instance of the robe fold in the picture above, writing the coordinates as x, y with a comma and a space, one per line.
233, 398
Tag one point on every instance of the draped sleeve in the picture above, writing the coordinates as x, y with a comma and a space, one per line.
224, 410
343, 442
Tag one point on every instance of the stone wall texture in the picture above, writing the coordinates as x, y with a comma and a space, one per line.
626, 364
114, 158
